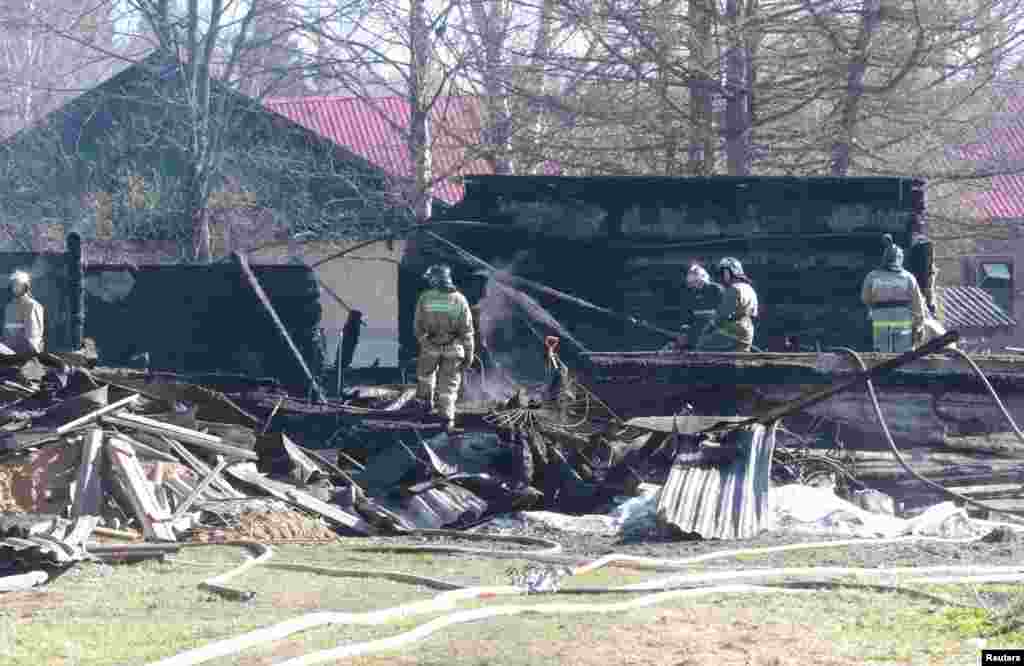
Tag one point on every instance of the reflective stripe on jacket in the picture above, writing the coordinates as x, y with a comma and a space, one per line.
443, 318
884, 287
24, 325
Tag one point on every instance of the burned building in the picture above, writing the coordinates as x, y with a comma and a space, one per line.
624, 242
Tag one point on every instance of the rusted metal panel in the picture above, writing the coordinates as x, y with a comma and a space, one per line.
727, 502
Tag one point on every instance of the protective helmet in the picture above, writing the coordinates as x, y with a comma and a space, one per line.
696, 276
734, 266
20, 278
439, 276
893, 259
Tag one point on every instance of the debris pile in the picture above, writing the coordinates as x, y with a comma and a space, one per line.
78, 469
98, 465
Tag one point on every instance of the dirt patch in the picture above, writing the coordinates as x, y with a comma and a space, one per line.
268, 527
673, 637
24, 605
38, 482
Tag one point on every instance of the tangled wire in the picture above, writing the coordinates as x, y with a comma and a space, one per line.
565, 405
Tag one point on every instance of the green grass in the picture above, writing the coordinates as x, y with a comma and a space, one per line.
134, 614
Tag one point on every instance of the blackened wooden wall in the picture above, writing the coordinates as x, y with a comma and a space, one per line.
623, 243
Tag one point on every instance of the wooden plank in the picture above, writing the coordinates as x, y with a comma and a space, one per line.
88, 487
153, 518
204, 470
203, 485
283, 491
159, 490
187, 435
143, 450
91, 416
182, 489
254, 284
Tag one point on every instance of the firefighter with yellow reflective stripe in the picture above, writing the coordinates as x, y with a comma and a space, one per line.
732, 329
444, 329
895, 303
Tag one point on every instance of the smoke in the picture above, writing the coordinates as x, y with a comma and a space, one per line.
512, 329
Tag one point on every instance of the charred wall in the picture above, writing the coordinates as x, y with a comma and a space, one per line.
623, 243
203, 318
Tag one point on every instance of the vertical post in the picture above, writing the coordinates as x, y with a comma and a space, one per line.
76, 289
337, 366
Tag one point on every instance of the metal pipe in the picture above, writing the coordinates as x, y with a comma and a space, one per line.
102, 411
254, 284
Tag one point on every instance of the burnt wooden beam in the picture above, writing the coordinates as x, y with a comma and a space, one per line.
76, 292
250, 278
811, 399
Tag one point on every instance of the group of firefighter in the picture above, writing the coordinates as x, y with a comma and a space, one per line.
721, 319
717, 316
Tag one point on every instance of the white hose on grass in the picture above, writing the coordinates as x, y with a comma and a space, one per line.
424, 630
449, 599
816, 573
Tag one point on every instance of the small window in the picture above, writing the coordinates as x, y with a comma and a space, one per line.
997, 280
996, 272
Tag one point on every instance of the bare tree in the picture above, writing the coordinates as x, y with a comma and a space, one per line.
401, 48
40, 69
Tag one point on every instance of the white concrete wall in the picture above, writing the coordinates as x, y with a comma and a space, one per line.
366, 280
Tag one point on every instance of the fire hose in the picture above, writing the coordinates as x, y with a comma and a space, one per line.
550, 552
659, 591
859, 362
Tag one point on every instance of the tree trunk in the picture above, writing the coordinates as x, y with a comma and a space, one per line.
737, 112
540, 82
497, 132
701, 157
850, 104
419, 111
195, 213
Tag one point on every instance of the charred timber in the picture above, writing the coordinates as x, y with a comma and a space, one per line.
924, 401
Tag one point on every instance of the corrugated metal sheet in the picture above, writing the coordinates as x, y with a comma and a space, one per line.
375, 129
970, 307
437, 507
727, 502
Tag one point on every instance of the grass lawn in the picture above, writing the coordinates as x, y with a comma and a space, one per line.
98, 615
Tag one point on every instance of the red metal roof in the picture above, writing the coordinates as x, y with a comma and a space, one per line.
1001, 150
375, 129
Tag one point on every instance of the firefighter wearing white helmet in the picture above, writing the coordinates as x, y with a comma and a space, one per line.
699, 300
23, 317
733, 326
896, 306
444, 329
